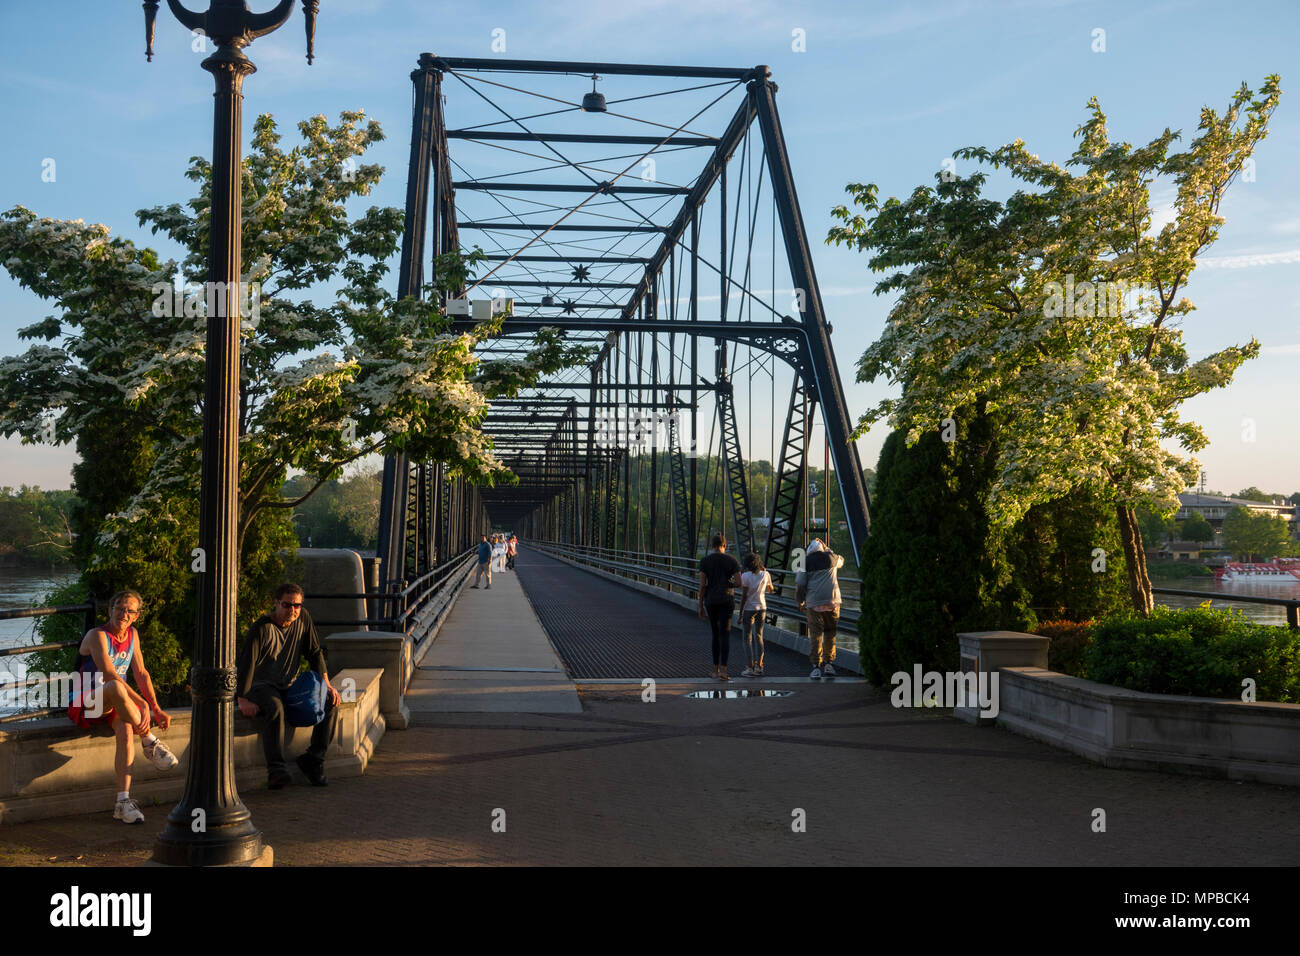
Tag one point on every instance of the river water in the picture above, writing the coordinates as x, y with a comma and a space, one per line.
1222, 593
23, 587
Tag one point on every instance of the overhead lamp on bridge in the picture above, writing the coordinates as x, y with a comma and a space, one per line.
593, 102
480, 310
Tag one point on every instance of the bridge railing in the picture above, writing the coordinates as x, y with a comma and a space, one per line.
411, 606
86, 610
1292, 605
679, 575
425, 601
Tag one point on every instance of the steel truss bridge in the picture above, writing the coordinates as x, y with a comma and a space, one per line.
646, 211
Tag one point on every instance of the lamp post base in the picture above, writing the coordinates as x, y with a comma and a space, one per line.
178, 846
266, 858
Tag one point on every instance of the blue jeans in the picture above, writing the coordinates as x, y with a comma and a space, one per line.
751, 626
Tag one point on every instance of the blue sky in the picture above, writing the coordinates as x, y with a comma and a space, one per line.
882, 93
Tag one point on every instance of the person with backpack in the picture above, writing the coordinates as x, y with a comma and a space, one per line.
756, 583
818, 590
719, 577
266, 667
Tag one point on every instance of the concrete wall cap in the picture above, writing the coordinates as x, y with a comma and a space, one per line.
1090, 688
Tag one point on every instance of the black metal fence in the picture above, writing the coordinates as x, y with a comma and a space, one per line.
87, 610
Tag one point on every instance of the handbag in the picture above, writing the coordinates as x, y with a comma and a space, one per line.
304, 702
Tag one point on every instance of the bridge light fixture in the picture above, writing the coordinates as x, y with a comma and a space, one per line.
593, 102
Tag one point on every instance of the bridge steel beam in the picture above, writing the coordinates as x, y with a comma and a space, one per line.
829, 391
568, 492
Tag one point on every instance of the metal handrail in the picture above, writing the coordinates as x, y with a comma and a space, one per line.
687, 581
86, 609
1292, 605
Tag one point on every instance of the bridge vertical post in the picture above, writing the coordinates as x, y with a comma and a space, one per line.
828, 389
392, 506
695, 380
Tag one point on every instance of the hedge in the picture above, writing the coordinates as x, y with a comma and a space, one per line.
1199, 652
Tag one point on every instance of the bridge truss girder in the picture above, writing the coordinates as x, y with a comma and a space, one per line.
570, 476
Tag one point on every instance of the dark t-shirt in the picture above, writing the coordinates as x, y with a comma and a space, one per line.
271, 655
718, 567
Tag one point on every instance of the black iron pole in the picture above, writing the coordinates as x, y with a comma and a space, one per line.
210, 826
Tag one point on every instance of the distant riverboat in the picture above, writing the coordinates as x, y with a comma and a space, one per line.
1281, 570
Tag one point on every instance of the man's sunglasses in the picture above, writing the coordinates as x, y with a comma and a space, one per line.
288, 606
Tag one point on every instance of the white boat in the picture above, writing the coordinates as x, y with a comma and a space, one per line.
1281, 571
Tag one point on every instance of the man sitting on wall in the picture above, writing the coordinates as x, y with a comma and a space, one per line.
267, 664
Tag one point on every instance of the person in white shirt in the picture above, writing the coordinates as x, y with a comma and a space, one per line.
499, 553
756, 583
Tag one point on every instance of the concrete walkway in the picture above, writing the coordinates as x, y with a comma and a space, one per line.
492, 656
688, 782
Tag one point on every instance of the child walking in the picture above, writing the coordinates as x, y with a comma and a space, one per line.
755, 583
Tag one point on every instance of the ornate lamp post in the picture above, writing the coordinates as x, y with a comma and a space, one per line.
211, 826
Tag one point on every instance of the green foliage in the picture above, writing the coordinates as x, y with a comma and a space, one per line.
1068, 640
1054, 552
1156, 527
341, 514
1088, 391
1199, 652
934, 564
1252, 535
35, 526
1195, 528
1254, 494
58, 628
1178, 570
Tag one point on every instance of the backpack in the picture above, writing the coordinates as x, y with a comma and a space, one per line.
304, 702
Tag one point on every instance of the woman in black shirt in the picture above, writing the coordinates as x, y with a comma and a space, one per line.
719, 577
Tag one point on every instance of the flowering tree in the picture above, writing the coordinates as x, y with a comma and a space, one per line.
321, 384
1060, 311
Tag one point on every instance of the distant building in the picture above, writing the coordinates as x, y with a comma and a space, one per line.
1183, 550
1214, 508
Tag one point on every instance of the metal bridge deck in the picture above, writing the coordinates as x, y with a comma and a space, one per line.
603, 630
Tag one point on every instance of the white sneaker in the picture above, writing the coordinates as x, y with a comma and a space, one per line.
127, 811
816, 674
160, 756
748, 672
828, 670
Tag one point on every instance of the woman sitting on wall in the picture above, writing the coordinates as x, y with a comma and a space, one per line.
102, 699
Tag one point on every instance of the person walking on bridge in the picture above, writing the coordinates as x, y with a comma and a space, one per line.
719, 578
484, 562
753, 610
818, 589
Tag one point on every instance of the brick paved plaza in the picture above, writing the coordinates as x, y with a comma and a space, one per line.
699, 782
715, 782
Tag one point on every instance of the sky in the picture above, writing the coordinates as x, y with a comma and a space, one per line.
879, 92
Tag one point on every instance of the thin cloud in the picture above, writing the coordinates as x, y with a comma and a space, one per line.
1250, 261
